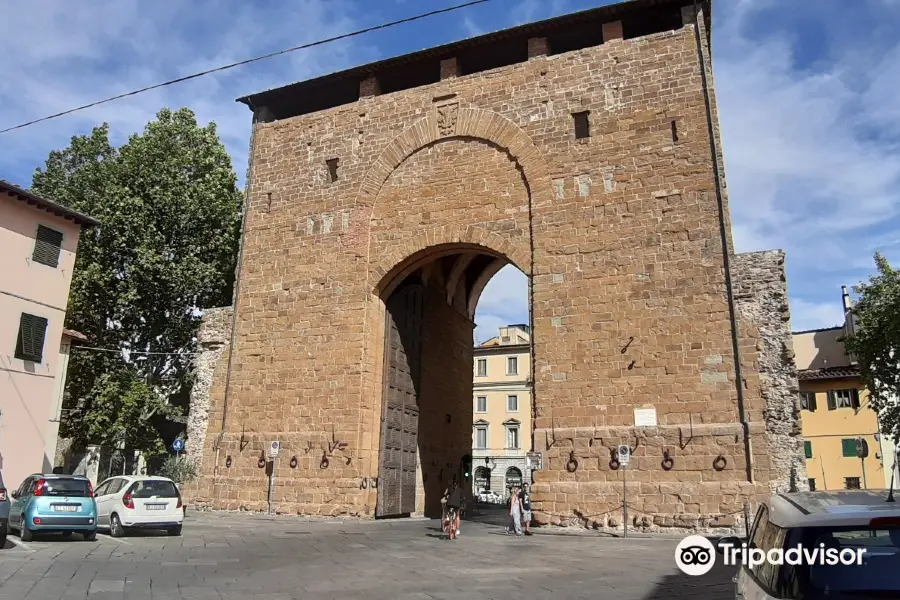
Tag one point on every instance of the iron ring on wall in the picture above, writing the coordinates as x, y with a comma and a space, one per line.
572, 465
720, 463
364, 483
228, 462
667, 463
614, 464
261, 463
293, 462
374, 483
323, 464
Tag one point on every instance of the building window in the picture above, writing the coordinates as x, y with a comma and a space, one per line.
512, 403
808, 401
582, 125
482, 367
332, 164
843, 399
30, 343
481, 404
851, 483
807, 449
848, 447
512, 365
481, 437
512, 437
812, 484
47, 244
505, 339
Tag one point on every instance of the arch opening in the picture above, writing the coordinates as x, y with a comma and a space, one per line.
427, 411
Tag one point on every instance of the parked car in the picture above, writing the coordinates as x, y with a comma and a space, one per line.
48, 503
841, 522
4, 512
139, 502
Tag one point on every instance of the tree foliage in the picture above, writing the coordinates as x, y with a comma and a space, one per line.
875, 342
169, 209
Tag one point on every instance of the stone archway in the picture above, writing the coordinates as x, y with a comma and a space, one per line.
451, 247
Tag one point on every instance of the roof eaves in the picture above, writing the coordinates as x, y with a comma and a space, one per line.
257, 99
48, 205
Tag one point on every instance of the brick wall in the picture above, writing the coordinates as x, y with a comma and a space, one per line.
619, 232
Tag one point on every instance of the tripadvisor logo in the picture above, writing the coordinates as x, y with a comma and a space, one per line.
696, 555
797, 555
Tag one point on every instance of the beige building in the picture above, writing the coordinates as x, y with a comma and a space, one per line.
39, 239
836, 416
501, 428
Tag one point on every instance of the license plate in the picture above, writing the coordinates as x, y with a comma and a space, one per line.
155, 506
66, 507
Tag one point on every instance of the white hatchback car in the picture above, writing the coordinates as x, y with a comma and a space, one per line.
864, 524
139, 502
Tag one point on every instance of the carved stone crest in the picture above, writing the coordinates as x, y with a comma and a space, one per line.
446, 118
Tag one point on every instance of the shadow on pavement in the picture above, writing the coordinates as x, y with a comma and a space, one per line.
715, 585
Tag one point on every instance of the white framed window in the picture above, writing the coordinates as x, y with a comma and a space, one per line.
512, 403
481, 437
481, 404
481, 370
512, 365
512, 437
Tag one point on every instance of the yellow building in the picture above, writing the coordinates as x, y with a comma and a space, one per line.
836, 416
501, 431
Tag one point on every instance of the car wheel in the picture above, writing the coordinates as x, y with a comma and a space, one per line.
25, 534
2, 538
115, 526
67, 535
90, 536
175, 530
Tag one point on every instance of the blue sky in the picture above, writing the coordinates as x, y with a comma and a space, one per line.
807, 91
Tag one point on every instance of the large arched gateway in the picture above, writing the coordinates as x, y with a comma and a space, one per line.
381, 199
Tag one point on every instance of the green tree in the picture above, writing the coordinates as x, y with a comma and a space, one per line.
169, 209
875, 342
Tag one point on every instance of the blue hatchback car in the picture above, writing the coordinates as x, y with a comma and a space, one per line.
54, 504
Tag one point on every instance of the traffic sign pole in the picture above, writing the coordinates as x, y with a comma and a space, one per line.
624, 499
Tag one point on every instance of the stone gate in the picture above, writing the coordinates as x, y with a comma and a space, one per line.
583, 150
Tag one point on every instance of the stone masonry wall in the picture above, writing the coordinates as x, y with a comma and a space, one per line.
619, 233
760, 291
213, 339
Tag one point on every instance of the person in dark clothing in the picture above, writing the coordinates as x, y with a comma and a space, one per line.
525, 498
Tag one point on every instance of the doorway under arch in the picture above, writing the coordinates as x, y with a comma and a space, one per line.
429, 305
513, 478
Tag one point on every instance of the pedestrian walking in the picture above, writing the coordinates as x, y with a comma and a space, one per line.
525, 500
515, 512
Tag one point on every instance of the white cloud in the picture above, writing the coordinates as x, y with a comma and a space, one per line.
60, 55
815, 315
810, 140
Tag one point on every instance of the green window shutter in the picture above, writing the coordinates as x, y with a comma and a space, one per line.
30, 342
854, 398
47, 244
807, 448
832, 401
848, 447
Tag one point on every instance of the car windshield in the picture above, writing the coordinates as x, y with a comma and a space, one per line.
157, 488
78, 488
878, 575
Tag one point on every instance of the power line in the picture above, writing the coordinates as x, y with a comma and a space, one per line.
250, 60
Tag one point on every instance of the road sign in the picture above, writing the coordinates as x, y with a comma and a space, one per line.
862, 448
624, 454
274, 448
178, 445
534, 460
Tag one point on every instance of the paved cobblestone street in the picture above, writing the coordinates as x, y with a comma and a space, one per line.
236, 556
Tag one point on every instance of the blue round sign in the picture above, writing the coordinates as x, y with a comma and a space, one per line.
178, 445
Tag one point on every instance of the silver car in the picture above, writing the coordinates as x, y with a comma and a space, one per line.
4, 512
